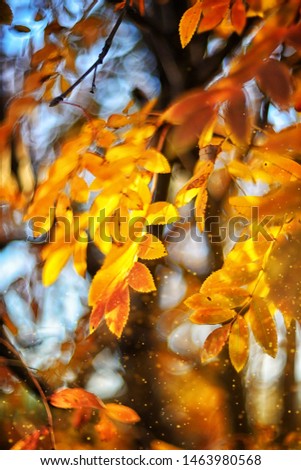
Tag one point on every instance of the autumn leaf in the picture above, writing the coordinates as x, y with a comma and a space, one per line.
238, 16
200, 207
121, 413
215, 342
274, 79
117, 309
211, 315
263, 325
151, 248
189, 23
213, 14
75, 398
55, 263
31, 441
239, 343
141, 279
192, 187
105, 429
237, 118
161, 213
6, 14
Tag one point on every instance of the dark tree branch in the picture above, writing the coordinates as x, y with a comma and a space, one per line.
98, 62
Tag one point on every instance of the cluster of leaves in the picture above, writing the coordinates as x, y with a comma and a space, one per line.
108, 173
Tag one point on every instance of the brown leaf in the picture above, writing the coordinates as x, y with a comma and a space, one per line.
75, 398
21, 28
263, 325
6, 14
274, 79
239, 343
215, 343
121, 413
189, 23
237, 118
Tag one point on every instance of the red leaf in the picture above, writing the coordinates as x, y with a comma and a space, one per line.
75, 398
141, 279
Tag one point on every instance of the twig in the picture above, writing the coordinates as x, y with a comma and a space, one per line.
36, 385
99, 61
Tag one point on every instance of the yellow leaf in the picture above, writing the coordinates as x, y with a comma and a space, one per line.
151, 248
215, 342
239, 343
55, 263
200, 208
75, 398
192, 187
79, 190
154, 161
189, 23
263, 325
121, 413
160, 213
140, 278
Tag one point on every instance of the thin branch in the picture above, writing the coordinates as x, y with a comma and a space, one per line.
98, 62
35, 383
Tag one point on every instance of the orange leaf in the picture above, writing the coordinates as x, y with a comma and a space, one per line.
263, 325
80, 254
106, 429
31, 441
213, 13
238, 16
151, 248
239, 343
189, 23
117, 309
274, 79
75, 398
211, 315
141, 279
215, 343
79, 190
121, 413
97, 315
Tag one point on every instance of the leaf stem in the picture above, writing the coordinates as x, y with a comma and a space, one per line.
99, 61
